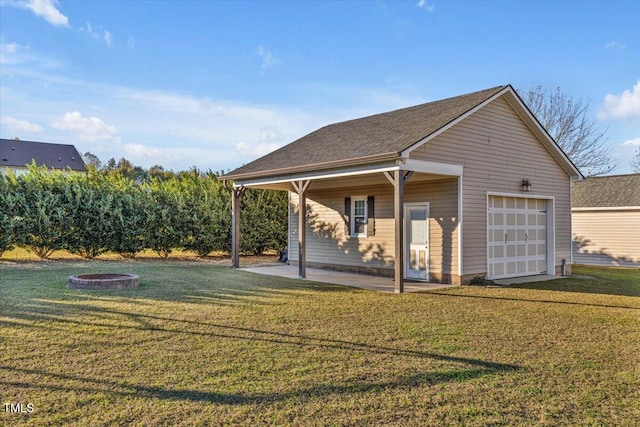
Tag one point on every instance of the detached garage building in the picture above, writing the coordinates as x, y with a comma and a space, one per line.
442, 192
606, 221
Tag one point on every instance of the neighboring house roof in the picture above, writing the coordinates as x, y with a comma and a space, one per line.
607, 191
17, 154
384, 136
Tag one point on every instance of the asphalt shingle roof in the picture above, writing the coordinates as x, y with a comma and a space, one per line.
607, 191
16, 153
380, 134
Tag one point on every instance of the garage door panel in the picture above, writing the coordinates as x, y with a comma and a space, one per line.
516, 236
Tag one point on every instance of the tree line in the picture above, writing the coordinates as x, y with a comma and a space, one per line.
105, 210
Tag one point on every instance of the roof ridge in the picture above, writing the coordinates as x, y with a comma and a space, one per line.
611, 176
34, 142
494, 89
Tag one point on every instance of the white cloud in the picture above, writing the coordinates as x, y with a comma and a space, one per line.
176, 130
269, 139
625, 105
97, 33
615, 45
10, 47
131, 42
422, 4
46, 9
107, 37
14, 53
11, 53
147, 154
90, 129
268, 60
632, 142
19, 127
26, 60
257, 149
270, 134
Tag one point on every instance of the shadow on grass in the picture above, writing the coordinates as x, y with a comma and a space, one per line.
144, 322
59, 382
587, 285
542, 301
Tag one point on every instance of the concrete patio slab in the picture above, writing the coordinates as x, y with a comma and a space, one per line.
363, 281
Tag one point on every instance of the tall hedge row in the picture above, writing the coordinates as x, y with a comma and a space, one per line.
96, 212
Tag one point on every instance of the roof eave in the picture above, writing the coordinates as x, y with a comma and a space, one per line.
312, 167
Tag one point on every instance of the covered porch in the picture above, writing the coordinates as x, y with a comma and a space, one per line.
362, 281
389, 177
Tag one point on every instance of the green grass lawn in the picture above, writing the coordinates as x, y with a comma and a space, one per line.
202, 344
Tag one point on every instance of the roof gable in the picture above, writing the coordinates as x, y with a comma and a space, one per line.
18, 154
387, 136
607, 191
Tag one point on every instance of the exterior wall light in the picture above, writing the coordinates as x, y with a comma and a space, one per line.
526, 185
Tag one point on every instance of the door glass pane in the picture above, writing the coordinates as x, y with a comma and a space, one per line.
418, 224
422, 260
412, 259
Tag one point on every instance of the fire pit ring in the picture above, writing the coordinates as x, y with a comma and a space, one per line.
103, 281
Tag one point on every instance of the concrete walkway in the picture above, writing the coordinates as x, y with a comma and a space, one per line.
363, 281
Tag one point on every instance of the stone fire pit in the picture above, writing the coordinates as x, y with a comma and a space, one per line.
103, 281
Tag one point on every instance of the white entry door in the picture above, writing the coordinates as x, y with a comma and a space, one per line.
516, 237
416, 217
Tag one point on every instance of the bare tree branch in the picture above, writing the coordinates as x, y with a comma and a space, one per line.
565, 118
635, 161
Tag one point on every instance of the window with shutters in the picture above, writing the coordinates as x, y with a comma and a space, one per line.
359, 216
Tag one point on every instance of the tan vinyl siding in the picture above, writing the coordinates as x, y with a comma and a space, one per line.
327, 242
607, 237
497, 150
443, 221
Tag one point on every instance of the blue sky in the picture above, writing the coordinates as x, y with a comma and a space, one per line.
217, 84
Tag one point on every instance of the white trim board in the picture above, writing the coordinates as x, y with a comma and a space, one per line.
460, 232
607, 208
421, 166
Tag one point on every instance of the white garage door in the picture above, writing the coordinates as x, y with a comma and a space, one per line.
516, 237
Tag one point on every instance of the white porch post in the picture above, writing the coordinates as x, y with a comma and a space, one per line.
301, 188
398, 213
235, 225
398, 180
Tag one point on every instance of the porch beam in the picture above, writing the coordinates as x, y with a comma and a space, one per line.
398, 210
407, 176
389, 176
301, 187
237, 192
